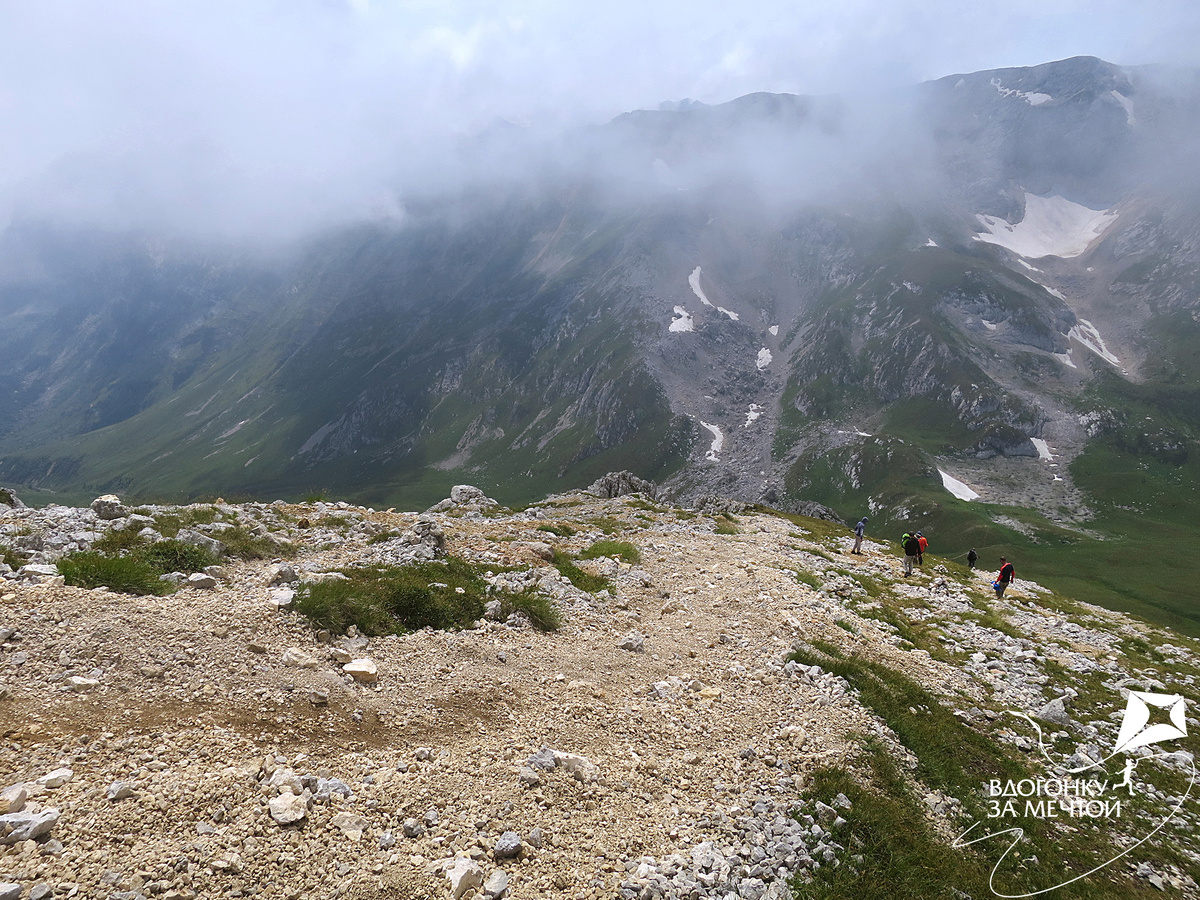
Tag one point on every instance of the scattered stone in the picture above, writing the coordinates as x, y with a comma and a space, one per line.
81, 685
201, 580
56, 779
351, 825
318, 697
281, 574
27, 826
119, 790
281, 598
288, 808
497, 885
198, 539
634, 642
12, 798
297, 658
1055, 711
363, 671
507, 846
109, 507
465, 877
10, 891
41, 891
412, 828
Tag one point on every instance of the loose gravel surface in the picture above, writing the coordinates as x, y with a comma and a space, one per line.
217, 746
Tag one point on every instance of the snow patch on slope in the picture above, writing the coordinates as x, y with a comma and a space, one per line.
694, 281
1085, 332
956, 487
1127, 105
774, 329
1053, 226
683, 323
764, 358
1043, 449
718, 441
1033, 99
752, 414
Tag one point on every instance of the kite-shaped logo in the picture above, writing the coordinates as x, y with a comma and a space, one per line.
1135, 730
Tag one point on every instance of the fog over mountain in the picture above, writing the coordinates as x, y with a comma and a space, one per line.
261, 122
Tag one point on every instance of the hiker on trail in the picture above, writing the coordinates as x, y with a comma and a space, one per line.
858, 535
911, 549
1006, 577
972, 558
921, 553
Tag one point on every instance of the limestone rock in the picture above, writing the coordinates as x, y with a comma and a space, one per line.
281, 598
507, 846
118, 791
297, 658
618, 484
109, 507
201, 580
27, 826
12, 799
496, 885
634, 642
363, 671
288, 808
81, 685
465, 876
351, 825
198, 539
1055, 711
56, 779
9, 890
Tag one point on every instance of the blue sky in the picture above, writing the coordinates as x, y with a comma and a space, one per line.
309, 108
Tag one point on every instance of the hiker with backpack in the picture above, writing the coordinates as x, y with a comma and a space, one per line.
972, 558
858, 535
923, 543
912, 549
1006, 577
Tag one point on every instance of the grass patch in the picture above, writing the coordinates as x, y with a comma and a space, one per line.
168, 524
724, 525
448, 594
14, 558
242, 544
607, 524
126, 574
174, 556
538, 608
119, 540
893, 850
616, 549
134, 571
806, 577
585, 581
383, 537
557, 530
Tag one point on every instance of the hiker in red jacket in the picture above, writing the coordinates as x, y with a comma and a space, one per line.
1006, 577
923, 542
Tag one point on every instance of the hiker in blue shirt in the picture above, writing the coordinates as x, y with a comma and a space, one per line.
858, 535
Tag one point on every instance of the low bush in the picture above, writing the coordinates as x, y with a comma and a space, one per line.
538, 608
174, 556
127, 574
585, 581
557, 530
616, 549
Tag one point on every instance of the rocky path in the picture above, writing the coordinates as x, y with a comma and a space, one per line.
210, 743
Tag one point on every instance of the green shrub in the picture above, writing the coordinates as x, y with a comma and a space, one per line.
241, 544
581, 579
558, 530
127, 574
119, 539
616, 549
538, 608
14, 558
173, 556
398, 599
724, 525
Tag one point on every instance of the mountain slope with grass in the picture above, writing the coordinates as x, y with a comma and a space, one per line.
966, 307
583, 697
